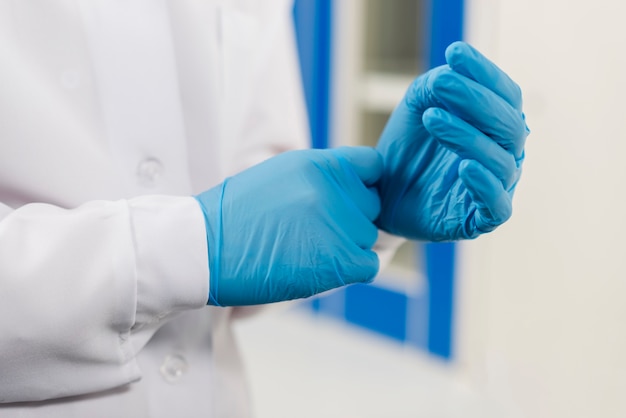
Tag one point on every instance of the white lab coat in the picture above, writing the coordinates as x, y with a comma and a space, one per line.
112, 113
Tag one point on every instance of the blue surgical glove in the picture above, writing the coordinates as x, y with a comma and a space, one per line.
293, 226
453, 151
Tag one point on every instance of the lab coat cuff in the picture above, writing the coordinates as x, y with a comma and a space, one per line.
386, 247
171, 256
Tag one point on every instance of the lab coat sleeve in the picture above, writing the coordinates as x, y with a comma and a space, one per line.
386, 247
82, 290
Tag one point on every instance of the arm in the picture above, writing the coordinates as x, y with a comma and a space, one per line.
83, 290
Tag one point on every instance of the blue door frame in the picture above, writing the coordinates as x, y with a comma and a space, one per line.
373, 307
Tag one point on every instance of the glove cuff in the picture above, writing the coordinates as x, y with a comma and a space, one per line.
211, 202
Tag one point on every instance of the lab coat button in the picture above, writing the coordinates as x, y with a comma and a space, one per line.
173, 368
149, 171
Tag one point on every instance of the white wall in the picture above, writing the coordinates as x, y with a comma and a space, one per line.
542, 302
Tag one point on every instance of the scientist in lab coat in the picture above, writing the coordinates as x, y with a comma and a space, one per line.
132, 195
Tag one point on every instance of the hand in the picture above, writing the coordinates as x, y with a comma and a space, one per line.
453, 151
293, 226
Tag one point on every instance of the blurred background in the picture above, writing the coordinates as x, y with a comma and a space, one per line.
529, 321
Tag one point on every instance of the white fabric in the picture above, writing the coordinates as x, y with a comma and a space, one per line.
112, 113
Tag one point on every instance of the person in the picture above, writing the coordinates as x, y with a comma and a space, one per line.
155, 186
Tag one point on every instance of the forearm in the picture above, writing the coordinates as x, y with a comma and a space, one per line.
84, 289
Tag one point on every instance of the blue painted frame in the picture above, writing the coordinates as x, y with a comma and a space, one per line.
313, 24
382, 310
445, 26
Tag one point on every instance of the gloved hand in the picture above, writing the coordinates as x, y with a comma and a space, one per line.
293, 226
453, 151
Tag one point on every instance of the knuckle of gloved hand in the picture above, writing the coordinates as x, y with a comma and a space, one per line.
435, 120
447, 86
422, 86
515, 178
509, 164
521, 130
312, 201
369, 276
501, 213
517, 95
367, 269
299, 160
313, 162
490, 223
456, 53
370, 235
509, 133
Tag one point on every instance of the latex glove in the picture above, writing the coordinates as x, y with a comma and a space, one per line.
293, 226
453, 151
